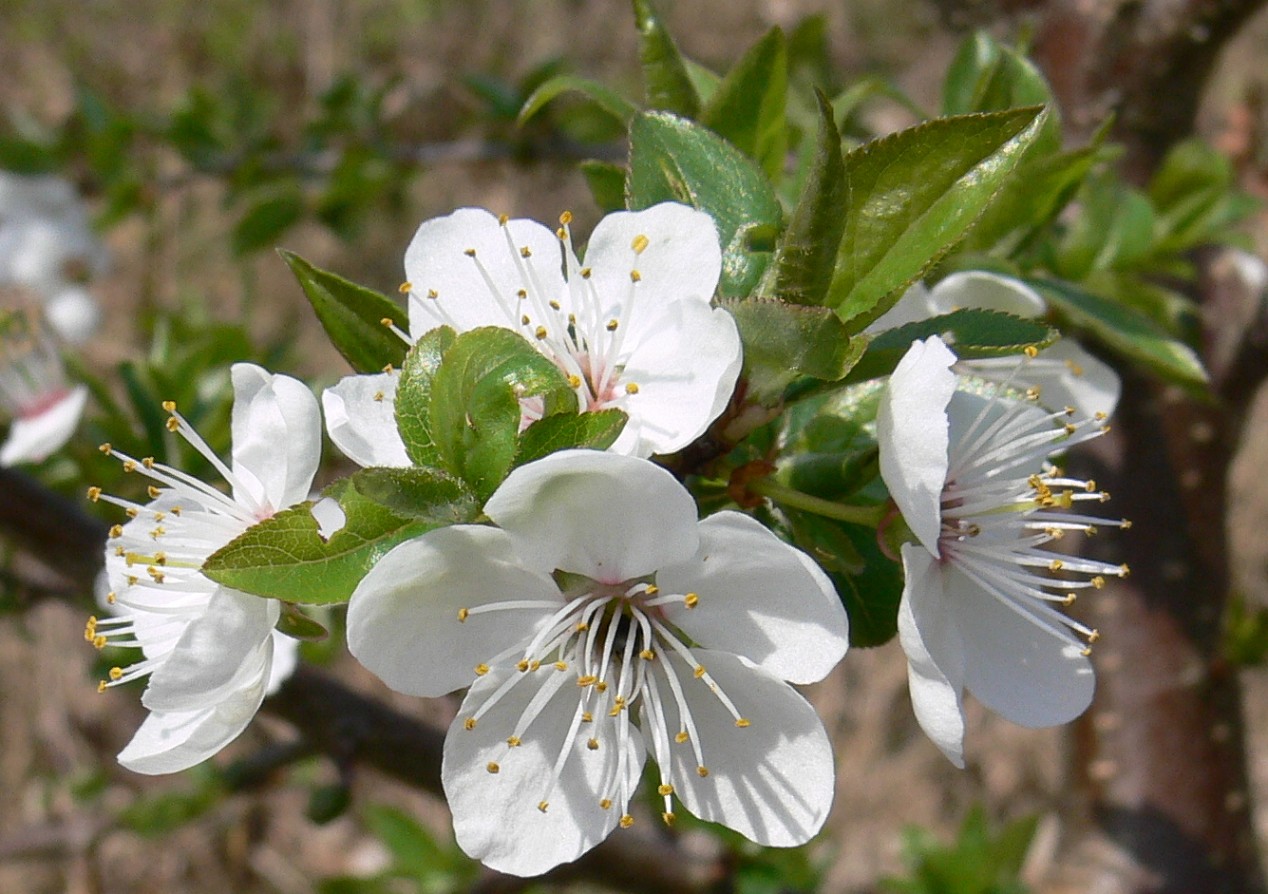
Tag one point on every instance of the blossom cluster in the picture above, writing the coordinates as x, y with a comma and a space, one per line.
594, 620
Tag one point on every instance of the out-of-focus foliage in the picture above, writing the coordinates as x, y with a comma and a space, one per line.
979, 861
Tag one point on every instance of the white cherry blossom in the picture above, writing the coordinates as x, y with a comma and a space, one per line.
1063, 374
600, 622
43, 408
211, 652
631, 326
980, 606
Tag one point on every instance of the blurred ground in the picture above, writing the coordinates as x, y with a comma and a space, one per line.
58, 782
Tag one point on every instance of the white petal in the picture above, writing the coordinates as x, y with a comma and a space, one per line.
771, 781
759, 598
329, 516
496, 816
685, 361
285, 659
170, 742
211, 655
914, 305
609, 517
931, 639
276, 437
403, 617
1086, 383
361, 419
437, 261
1016, 668
682, 258
911, 429
986, 291
33, 438
73, 313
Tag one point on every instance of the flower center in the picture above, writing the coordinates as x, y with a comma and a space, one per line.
612, 640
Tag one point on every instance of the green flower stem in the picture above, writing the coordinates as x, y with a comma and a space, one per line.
870, 516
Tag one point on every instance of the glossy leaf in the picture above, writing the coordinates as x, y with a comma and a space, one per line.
413, 395
352, 316
749, 107
597, 430
602, 96
672, 159
783, 342
912, 195
1128, 331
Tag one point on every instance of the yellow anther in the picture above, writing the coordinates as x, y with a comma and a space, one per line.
522, 665
386, 322
1070, 428
664, 789
525, 320
635, 276
651, 590
470, 252
691, 600
389, 369
626, 821
1030, 351
463, 614
526, 252
1069, 411
681, 737
481, 669
565, 218
1094, 636
668, 817
1099, 416
105, 448
503, 220
160, 558
111, 598
540, 332
129, 465
176, 510
742, 722
1098, 582
492, 766
593, 744
534, 664
1056, 565
378, 397
702, 772
543, 805
587, 717
153, 572
132, 580
562, 234
639, 244
601, 686
94, 493
1078, 371
405, 288
605, 803
561, 665
1069, 599
647, 655
148, 462
159, 516
612, 325
433, 294
172, 424
1032, 393
99, 641
158, 532
169, 406
631, 388
101, 686
469, 723
1124, 570
153, 491
586, 680
1085, 651
554, 305
585, 272
521, 294
582, 627
116, 673
699, 671
514, 741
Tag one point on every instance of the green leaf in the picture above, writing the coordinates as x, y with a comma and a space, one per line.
783, 342
266, 221
474, 412
665, 77
298, 625
413, 395
597, 430
284, 557
672, 159
1128, 331
420, 493
352, 316
749, 107
912, 195
868, 583
602, 96
804, 262
606, 182
973, 333
986, 76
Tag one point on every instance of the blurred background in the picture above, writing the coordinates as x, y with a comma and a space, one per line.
204, 134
